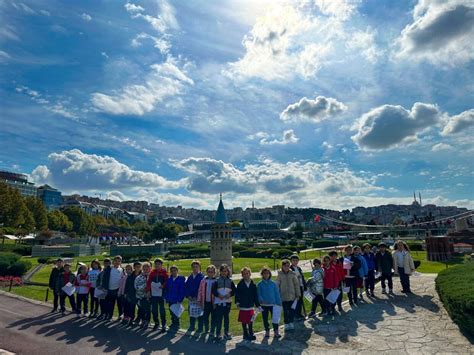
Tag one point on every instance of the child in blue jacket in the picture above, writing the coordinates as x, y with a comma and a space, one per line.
269, 297
174, 293
362, 271
191, 290
369, 257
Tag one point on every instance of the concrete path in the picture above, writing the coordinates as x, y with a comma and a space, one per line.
399, 324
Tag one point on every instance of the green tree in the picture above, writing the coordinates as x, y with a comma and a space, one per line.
13, 210
82, 223
161, 231
39, 212
58, 221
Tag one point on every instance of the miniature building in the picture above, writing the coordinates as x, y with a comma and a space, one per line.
221, 239
438, 248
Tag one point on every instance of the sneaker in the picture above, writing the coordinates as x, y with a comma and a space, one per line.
277, 336
227, 336
54, 310
218, 339
390, 291
311, 314
252, 337
339, 308
323, 314
384, 292
156, 326
267, 334
163, 329
372, 294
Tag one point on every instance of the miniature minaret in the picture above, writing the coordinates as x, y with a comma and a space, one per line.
221, 238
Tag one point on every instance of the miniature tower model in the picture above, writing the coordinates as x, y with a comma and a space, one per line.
221, 239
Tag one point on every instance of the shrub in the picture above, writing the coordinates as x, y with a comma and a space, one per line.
11, 265
325, 243
455, 287
19, 268
43, 260
417, 263
415, 246
67, 255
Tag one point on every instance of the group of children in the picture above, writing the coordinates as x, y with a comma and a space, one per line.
141, 292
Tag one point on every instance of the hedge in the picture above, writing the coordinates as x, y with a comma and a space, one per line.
455, 287
23, 250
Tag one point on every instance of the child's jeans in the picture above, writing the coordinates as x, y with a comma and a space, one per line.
318, 299
62, 301
82, 299
288, 312
222, 314
158, 303
209, 312
268, 311
144, 313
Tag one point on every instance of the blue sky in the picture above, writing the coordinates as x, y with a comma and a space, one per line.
320, 103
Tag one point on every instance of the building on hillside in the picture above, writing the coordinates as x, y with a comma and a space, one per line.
51, 197
19, 182
221, 238
135, 216
87, 207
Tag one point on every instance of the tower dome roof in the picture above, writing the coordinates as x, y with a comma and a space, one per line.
221, 217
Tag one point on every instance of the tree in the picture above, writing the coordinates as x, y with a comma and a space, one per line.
82, 223
161, 231
39, 212
13, 210
58, 221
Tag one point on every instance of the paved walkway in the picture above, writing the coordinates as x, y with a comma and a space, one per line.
399, 324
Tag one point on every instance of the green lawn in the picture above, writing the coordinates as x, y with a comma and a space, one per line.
434, 267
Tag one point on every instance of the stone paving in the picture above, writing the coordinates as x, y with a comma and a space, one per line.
413, 324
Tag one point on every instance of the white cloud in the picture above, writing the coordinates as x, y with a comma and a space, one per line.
440, 146
364, 42
308, 110
165, 80
4, 56
211, 176
104, 54
128, 142
388, 126
59, 107
340, 8
160, 43
86, 17
287, 40
459, 123
75, 170
165, 20
441, 32
22, 7
133, 8
288, 137
9, 32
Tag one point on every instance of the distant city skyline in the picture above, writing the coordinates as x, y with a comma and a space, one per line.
310, 103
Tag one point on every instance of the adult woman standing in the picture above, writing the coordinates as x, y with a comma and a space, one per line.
403, 264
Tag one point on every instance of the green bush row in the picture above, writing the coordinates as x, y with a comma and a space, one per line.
455, 287
23, 250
